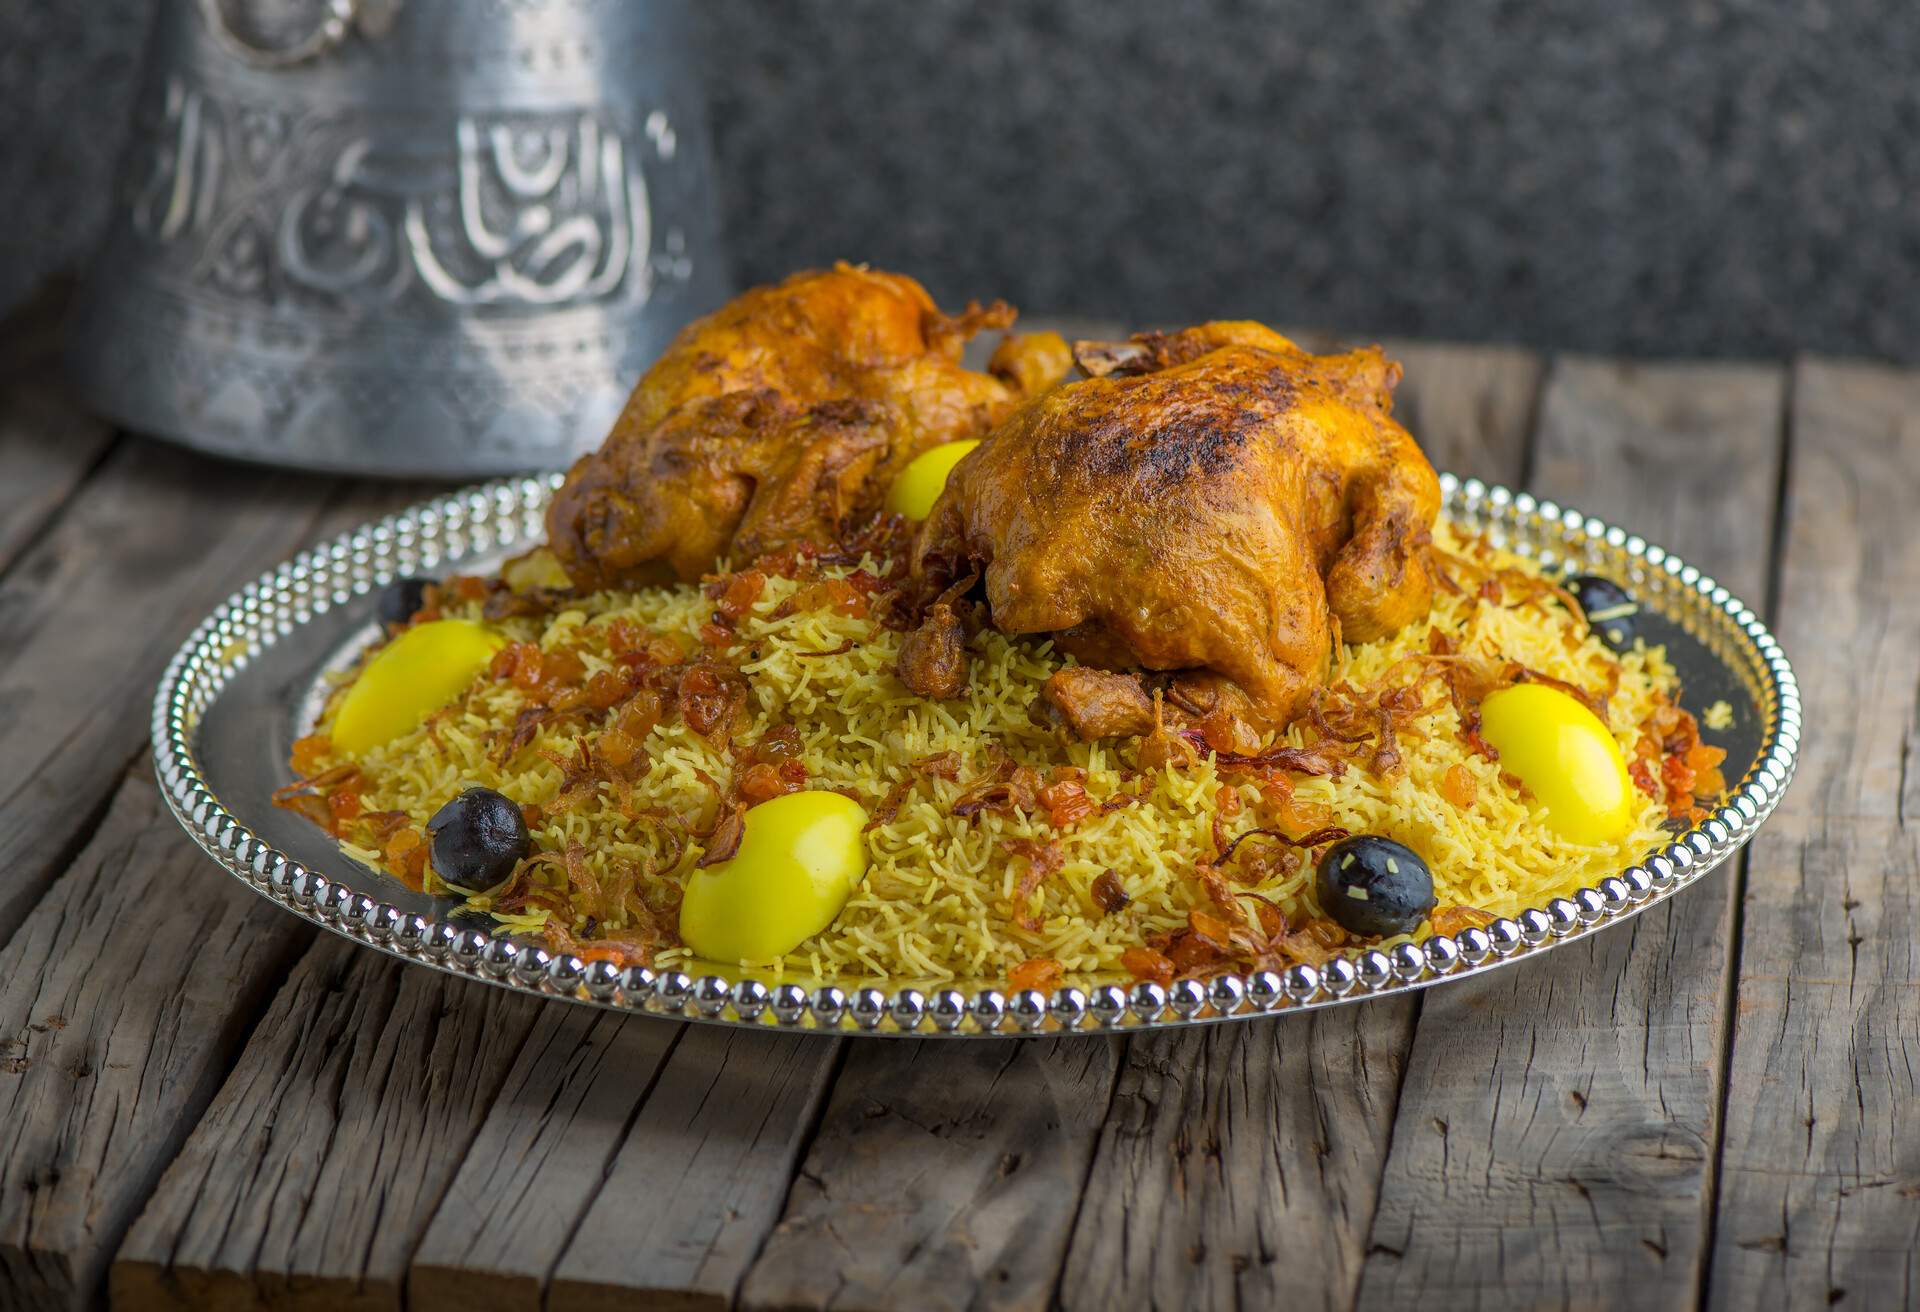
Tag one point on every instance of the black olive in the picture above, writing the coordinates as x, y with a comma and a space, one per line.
1375, 887
401, 599
478, 838
1610, 609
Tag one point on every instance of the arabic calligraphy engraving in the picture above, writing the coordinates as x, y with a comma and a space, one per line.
536, 210
184, 173
539, 258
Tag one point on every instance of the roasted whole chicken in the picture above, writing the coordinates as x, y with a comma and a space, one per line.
1211, 501
780, 417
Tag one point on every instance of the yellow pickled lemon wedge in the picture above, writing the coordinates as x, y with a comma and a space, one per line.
417, 673
919, 485
1566, 756
797, 863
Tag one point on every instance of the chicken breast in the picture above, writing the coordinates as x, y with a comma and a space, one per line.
1212, 500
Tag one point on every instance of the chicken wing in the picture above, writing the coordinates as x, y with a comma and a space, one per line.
778, 418
1211, 500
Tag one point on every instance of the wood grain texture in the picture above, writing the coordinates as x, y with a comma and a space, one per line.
1155, 1225
49, 444
1820, 1173
1686, 454
700, 1178
538, 1161
47, 449
90, 614
1470, 407
1239, 1163
1555, 1132
123, 999
943, 1176
158, 983
312, 1176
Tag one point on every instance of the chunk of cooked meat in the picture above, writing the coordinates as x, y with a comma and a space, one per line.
779, 417
1100, 703
933, 658
1213, 499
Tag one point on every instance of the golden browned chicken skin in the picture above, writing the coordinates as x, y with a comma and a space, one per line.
778, 418
1210, 500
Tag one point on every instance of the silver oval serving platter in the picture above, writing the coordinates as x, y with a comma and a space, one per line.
244, 686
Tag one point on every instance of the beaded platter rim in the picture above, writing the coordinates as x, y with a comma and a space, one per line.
494, 517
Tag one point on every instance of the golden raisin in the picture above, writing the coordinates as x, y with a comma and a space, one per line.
1458, 786
623, 636
1035, 973
616, 748
1146, 964
406, 854
344, 804
604, 689
310, 754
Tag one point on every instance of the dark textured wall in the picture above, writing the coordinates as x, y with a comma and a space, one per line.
1651, 176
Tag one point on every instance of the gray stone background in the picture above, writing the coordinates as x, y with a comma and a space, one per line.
1703, 177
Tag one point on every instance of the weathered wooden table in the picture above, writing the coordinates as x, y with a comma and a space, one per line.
203, 1101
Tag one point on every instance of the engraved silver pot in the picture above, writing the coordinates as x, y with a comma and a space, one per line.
401, 236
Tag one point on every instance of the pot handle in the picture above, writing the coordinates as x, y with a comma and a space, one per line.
329, 32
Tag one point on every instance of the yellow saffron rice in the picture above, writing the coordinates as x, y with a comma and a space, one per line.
937, 901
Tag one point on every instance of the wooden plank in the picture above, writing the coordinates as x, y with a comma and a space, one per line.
701, 1176
1686, 454
1470, 407
312, 1175
207, 965
941, 1177
47, 450
48, 443
1820, 1167
88, 617
123, 999
1239, 1163
1154, 1219
538, 1160
1557, 1120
